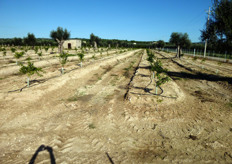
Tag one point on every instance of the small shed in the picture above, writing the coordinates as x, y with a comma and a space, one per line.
72, 44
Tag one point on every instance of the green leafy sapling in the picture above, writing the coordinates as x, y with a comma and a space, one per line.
13, 50
160, 77
4, 54
18, 55
63, 60
40, 55
81, 57
36, 49
46, 49
30, 70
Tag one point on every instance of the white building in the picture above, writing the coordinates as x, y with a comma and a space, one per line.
72, 44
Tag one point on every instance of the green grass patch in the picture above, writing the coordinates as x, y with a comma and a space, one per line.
92, 126
229, 104
195, 58
76, 96
219, 63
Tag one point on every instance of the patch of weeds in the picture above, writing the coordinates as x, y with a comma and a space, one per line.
28, 58
99, 78
114, 81
229, 104
92, 126
94, 57
195, 58
159, 100
1, 78
210, 108
203, 60
219, 63
178, 78
76, 96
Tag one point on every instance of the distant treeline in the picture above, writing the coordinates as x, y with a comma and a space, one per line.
101, 43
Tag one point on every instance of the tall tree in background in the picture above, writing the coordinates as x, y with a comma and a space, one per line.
219, 28
180, 40
30, 40
60, 36
94, 40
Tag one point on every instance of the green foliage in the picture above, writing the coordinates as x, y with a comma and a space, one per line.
63, 58
60, 34
203, 60
162, 80
151, 56
30, 69
159, 72
94, 38
19, 54
30, 39
195, 58
2, 49
36, 50
81, 56
92, 126
160, 44
13, 49
4, 53
180, 39
40, 54
28, 58
219, 29
46, 49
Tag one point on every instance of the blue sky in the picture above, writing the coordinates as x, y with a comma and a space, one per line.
141, 20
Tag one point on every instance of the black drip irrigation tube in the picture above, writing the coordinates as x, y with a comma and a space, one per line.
149, 91
128, 86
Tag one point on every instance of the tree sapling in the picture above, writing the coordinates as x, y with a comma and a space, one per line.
81, 57
30, 69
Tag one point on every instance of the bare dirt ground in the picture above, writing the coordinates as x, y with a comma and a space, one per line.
83, 116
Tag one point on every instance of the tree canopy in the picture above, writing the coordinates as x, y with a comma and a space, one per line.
60, 34
160, 44
30, 40
218, 30
180, 39
94, 38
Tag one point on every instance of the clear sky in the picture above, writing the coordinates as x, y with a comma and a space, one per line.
141, 20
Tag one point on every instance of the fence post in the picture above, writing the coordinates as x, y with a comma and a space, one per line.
194, 54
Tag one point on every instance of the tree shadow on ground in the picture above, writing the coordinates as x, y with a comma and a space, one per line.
199, 76
142, 75
144, 67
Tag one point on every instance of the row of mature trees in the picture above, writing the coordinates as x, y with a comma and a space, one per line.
27, 41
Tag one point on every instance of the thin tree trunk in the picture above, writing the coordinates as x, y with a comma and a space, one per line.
60, 45
178, 52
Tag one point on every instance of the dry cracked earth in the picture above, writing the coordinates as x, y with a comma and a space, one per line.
102, 113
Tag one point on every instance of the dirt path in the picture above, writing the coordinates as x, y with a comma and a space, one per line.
83, 116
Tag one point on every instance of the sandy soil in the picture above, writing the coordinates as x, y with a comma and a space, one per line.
83, 116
